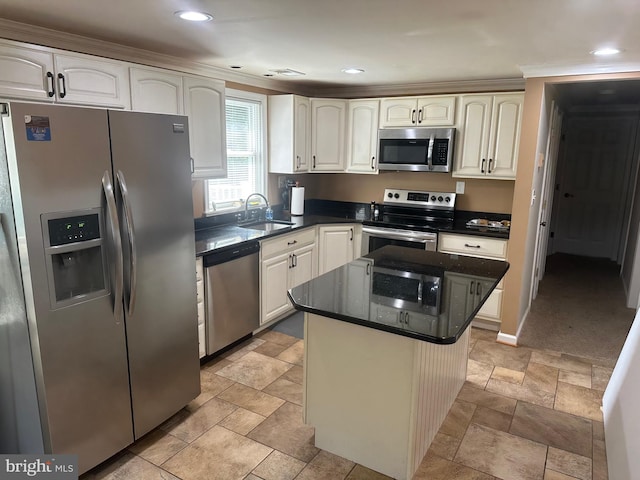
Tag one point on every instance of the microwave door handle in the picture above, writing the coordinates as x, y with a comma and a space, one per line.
432, 140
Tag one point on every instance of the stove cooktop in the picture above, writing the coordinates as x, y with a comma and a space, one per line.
418, 209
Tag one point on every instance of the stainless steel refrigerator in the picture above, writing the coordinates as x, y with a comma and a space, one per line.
98, 322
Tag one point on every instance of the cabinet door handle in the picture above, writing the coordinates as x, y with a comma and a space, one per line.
479, 289
351, 239
294, 260
63, 86
482, 167
314, 161
290, 262
471, 246
373, 163
368, 269
292, 242
52, 89
406, 318
297, 162
471, 290
420, 116
489, 170
413, 116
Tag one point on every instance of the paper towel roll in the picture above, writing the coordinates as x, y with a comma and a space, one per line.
297, 200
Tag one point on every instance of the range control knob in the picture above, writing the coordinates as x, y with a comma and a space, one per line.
390, 195
396, 195
447, 199
440, 198
433, 198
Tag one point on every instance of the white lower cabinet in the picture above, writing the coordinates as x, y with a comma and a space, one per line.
490, 315
202, 345
337, 245
358, 288
285, 262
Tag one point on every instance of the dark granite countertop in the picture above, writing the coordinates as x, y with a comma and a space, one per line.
223, 231
372, 291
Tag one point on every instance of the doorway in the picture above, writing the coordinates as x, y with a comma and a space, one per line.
590, 201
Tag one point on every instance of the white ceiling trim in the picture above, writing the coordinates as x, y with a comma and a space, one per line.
550, 70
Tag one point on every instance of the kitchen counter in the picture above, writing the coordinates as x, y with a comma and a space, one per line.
212, 234
380, 377
229, 235
375, 291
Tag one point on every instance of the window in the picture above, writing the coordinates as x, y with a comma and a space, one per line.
246, 159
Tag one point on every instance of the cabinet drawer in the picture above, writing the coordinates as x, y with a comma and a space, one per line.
473, 245
291, 241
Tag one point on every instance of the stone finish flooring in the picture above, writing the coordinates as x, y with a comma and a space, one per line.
523, 414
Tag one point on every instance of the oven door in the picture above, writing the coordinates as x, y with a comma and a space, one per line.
376, 237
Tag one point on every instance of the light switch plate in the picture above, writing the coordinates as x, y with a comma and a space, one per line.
459, 187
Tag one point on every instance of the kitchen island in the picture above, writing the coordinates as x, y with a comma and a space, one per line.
386, 346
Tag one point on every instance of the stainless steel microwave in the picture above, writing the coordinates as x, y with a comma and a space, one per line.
416, 149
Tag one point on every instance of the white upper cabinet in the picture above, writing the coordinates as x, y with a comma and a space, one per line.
47, 75
91, 81
156, 91
289, 133
489, 136
362, 136
328, 127
23, 73
426, 111
204, 104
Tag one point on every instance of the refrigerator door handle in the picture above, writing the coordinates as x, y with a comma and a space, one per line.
114, 226
131, 235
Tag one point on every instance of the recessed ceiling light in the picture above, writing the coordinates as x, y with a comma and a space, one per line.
605, 51
288, 72
268, 74
235, 67
353, 70
193, 16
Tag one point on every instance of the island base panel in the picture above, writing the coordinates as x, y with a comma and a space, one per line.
377, 398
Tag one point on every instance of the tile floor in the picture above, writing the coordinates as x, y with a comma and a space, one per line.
522, 414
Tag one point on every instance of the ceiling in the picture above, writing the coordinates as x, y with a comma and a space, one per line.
401, 42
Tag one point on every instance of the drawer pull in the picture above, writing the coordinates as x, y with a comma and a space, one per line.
292, 243
471, 246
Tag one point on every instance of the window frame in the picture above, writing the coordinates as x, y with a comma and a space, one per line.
235, 94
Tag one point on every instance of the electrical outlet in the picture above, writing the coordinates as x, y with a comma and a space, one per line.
459, 187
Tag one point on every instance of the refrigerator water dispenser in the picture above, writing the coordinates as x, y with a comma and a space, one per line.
75, 256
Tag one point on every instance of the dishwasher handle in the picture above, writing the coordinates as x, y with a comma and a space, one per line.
231, 253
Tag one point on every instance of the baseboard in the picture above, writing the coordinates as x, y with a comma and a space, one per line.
486, 324
507, 339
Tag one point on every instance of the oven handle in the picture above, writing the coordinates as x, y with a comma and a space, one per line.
406, 235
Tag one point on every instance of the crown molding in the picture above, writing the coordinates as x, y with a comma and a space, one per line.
426, 88
551, 70
41, 36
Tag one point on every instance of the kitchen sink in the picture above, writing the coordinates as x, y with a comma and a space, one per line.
268, 225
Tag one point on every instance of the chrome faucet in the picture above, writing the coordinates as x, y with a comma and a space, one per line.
246, 202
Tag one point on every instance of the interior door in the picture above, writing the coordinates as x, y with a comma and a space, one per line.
151, 163
593, 185
548, 181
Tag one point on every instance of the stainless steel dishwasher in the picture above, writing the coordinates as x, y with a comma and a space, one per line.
232, 294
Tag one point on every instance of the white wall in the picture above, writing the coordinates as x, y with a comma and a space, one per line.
621, 412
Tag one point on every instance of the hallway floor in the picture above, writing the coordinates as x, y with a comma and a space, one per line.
523, 414
580, 309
